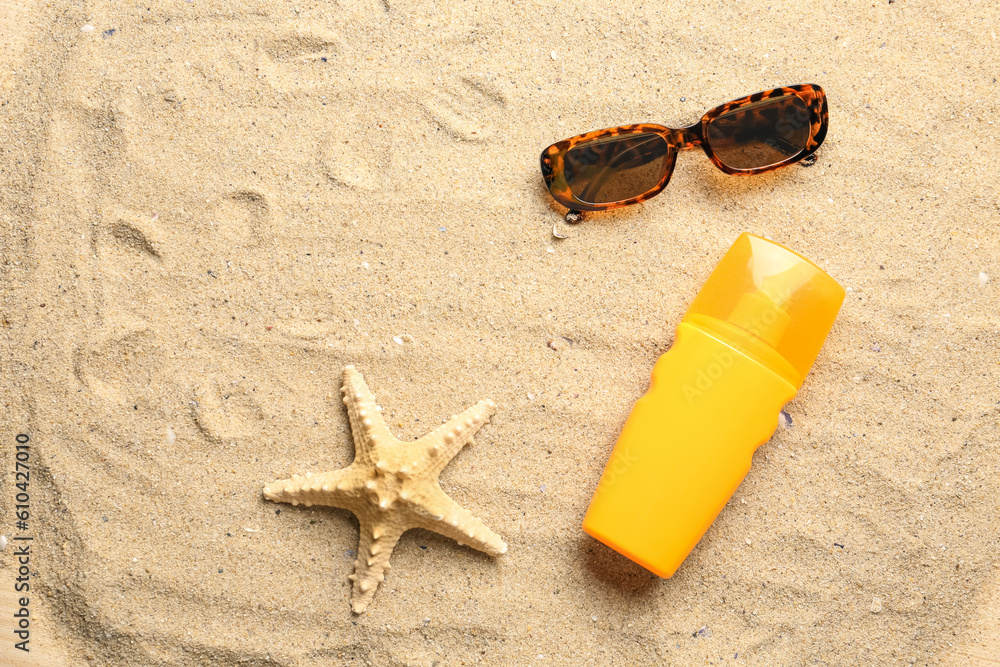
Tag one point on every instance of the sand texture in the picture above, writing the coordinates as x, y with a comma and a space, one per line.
209, 209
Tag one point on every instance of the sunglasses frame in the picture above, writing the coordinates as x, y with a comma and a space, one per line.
552, 159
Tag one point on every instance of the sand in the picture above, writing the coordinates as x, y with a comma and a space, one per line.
209, 209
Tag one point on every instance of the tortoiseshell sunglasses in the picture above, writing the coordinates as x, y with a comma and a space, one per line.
626, 165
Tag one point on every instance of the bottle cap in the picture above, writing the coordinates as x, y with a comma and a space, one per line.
770, 303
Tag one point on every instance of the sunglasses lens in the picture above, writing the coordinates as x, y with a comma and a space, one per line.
616, 168
762, 134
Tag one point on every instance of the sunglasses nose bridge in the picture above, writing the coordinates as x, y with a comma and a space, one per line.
687, 137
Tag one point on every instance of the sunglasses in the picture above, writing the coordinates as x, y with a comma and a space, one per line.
625, 165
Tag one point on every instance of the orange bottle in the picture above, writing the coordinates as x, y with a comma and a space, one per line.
740, 353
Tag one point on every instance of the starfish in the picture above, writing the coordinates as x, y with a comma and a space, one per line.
392, 486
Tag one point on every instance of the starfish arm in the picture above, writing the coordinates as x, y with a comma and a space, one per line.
439, 513
444, 442
333, 489
392, 486
375, 545
367, 426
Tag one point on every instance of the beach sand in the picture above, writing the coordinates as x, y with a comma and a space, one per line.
209, 209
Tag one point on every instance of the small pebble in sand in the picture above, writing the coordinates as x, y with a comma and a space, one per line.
876, 348
594, 619
876, 605
87, 28
171, 436
983, 278
557, 233
554, 56
3, 542
559, 344
785, 419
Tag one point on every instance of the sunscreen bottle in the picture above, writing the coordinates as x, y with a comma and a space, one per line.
740, 353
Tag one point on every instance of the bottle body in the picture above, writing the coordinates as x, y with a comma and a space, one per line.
684, 449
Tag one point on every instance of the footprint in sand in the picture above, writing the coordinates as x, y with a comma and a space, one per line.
285, 53
241, 218
361, 159
354, 163
303, 45
131, 236
119, 368
463, 109
224, 411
